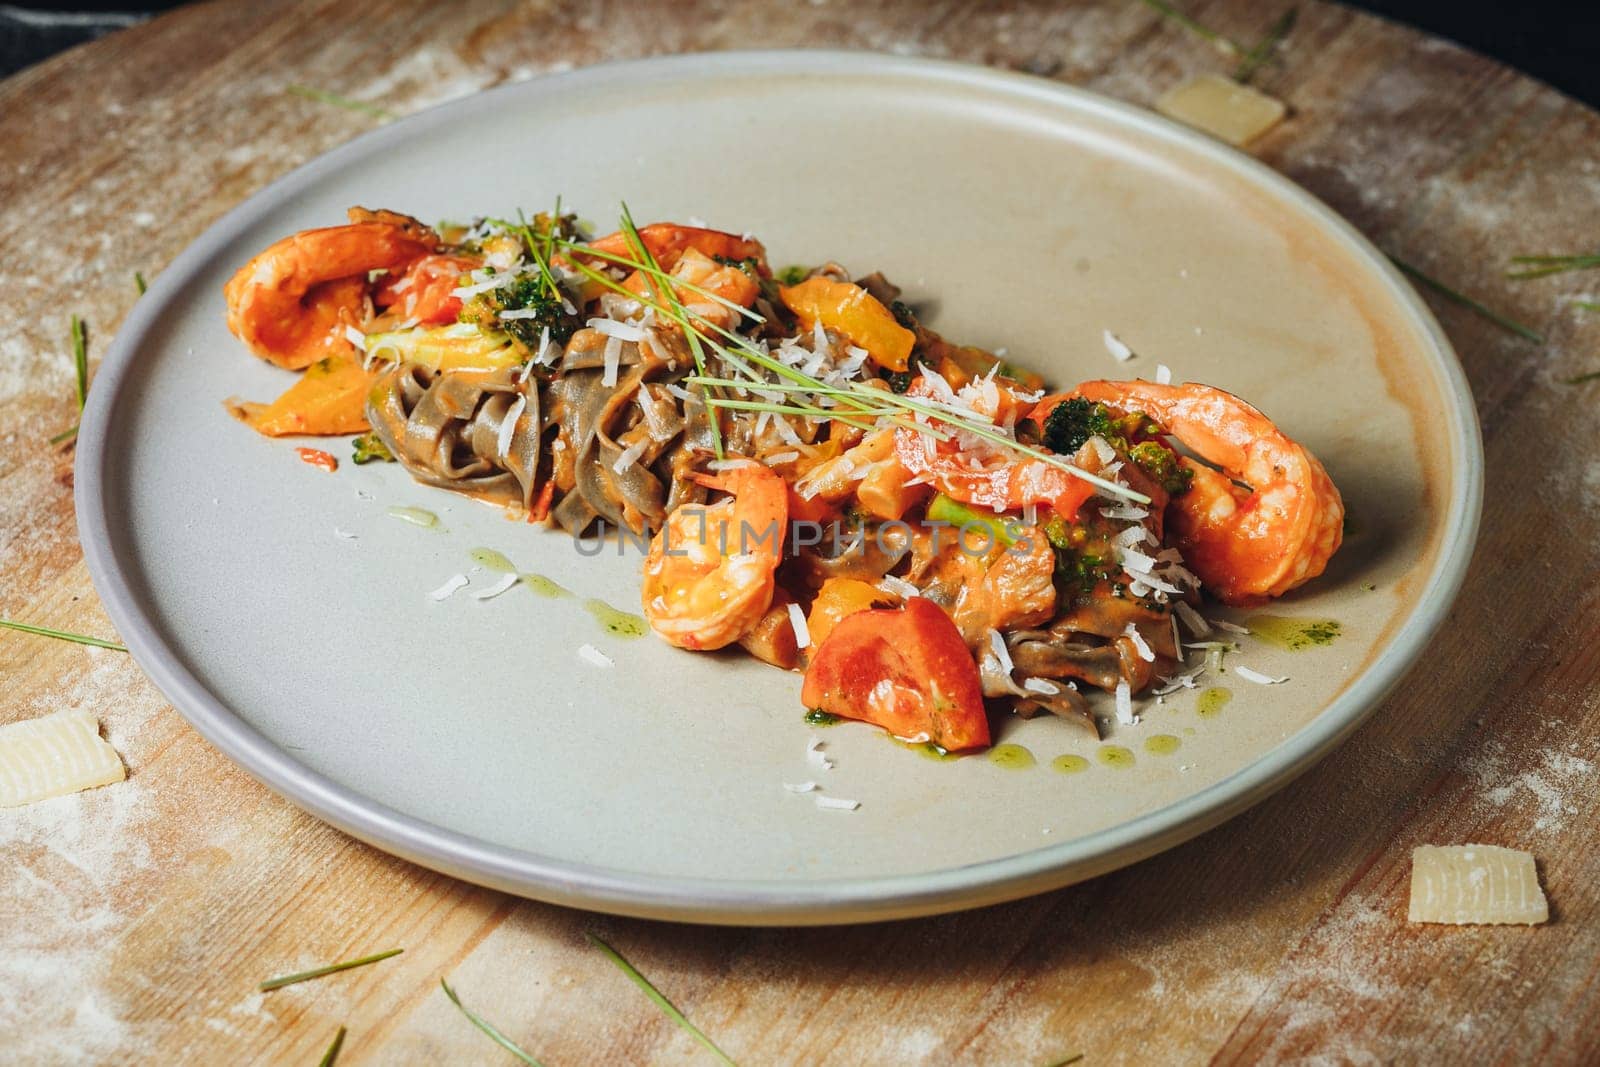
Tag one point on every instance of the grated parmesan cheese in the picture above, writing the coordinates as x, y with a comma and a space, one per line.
445, 591
802, 632
1257, 677
1163, 374
1124, 695
1119, 351
800, 787
590, 654
630, 455
1140, 646
837, 804
508, 426
497, 588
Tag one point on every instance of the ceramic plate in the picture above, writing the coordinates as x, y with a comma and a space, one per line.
470, 737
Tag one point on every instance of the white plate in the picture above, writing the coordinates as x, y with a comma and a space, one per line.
469, 736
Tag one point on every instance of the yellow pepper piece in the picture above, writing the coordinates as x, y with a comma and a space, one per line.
854, 312
329, 398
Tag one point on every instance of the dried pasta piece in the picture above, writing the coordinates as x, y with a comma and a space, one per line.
1223, 108
1475, 884
54, 755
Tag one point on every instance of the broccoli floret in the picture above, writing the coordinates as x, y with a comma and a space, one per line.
1162, 465
1072, 422
527, 292
369, 448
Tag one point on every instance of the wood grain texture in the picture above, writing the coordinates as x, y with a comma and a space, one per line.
135, 921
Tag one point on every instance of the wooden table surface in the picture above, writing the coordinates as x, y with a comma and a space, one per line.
136, 920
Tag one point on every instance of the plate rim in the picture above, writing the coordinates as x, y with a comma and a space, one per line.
769, 902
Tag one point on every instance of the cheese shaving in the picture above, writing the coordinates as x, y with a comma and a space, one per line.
802, 632
445, 591
800, 787
837, 804
1257, 677
497, 588
590, 654
1119, 351
1140, 646
1124, 695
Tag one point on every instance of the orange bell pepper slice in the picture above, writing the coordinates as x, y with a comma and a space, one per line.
854, 312
330, 398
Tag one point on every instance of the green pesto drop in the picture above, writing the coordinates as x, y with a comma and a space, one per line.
1011, 757
1213, 700
818, 717
617, 623
1115, 756
416, 517
1161, 745
1293, 634
490, 560
1070, 764
542, 585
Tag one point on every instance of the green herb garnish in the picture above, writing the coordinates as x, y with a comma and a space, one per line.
792, 275
333, 968
65, 435
818, 717
1543, 266
1262, 51
1226, 45
45, 631
1586, 305
80, 357
1074, 1058
330, 1057
138, 281
660, 1001
1466, 301
322, 96
487, 1027
1581, 378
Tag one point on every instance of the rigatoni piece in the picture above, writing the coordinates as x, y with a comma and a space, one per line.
54, 755
1223, 108
1475, 884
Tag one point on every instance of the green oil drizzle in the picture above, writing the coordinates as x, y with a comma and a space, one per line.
1070, 764
1161, 745
1213, 700
416, 517
1115, 756
617, 623
542, 585
818, 717
490, 560
1011, 757
1293, 634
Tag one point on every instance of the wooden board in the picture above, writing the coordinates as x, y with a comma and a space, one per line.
135, 921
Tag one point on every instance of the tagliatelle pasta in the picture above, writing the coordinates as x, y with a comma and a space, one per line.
819, 476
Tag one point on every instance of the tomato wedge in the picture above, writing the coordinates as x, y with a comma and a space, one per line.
906, 670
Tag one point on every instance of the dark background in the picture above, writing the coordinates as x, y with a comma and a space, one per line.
1556, 40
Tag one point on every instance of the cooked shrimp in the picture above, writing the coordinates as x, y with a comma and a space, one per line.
709, 576
701, 284
667, 242
1244, 543
290, 304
